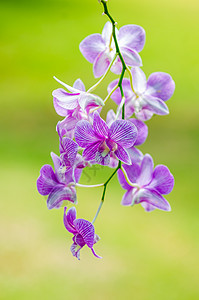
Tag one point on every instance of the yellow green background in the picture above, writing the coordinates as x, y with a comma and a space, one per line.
146, 256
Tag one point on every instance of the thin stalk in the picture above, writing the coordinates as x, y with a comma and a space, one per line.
104, 191
89, 186
131, 79
124, 67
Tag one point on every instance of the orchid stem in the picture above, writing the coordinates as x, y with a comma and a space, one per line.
124, 67
103, 77
131, 79
104, 190
89, 186
111, 92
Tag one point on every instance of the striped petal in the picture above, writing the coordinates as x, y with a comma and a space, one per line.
69, 218
99, 126
58, 195
47, 180
84, 134
87, 231
123, 133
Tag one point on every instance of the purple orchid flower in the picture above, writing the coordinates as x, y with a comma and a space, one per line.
76, 102
83, 231
149, 97
57, 185
151, 184
142, 133
99, 49
100, 141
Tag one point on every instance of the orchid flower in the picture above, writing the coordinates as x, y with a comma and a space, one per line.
99, 140
149, 96
75, 102
147, 186
83, 231
99, 49
57, 185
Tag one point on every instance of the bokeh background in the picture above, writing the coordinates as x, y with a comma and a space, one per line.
145, 255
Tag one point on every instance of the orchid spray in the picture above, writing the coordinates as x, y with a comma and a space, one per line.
85, 139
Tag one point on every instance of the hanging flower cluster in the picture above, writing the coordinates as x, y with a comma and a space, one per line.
85, 139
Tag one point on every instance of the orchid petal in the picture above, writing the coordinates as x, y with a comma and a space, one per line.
146, 171
92, 46
95, 253
47, 180
142, 130
107, 33
66, 100
68, 87
84, 134
69, 219
133, 172
148, 207
136, 155
127, 198
160, 85
122, 154
116, 68
131, 57
90, 100
90, 152
123, 133
144, 115
152, 197
163, 180
99, 125
139, 80
132, 36
58, 195
78, 84
101, 64
87, 231
63, 112
155, 105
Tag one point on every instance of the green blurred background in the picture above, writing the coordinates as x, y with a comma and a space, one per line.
145, 255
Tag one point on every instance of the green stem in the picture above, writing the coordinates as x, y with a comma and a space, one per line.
89, 186
124, 67
104, 190
131, 79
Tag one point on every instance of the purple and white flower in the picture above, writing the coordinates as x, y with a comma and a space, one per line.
83, 231
100, 141
149, 97
76, 102
57, 185
99, 49
142, 133
148, 185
